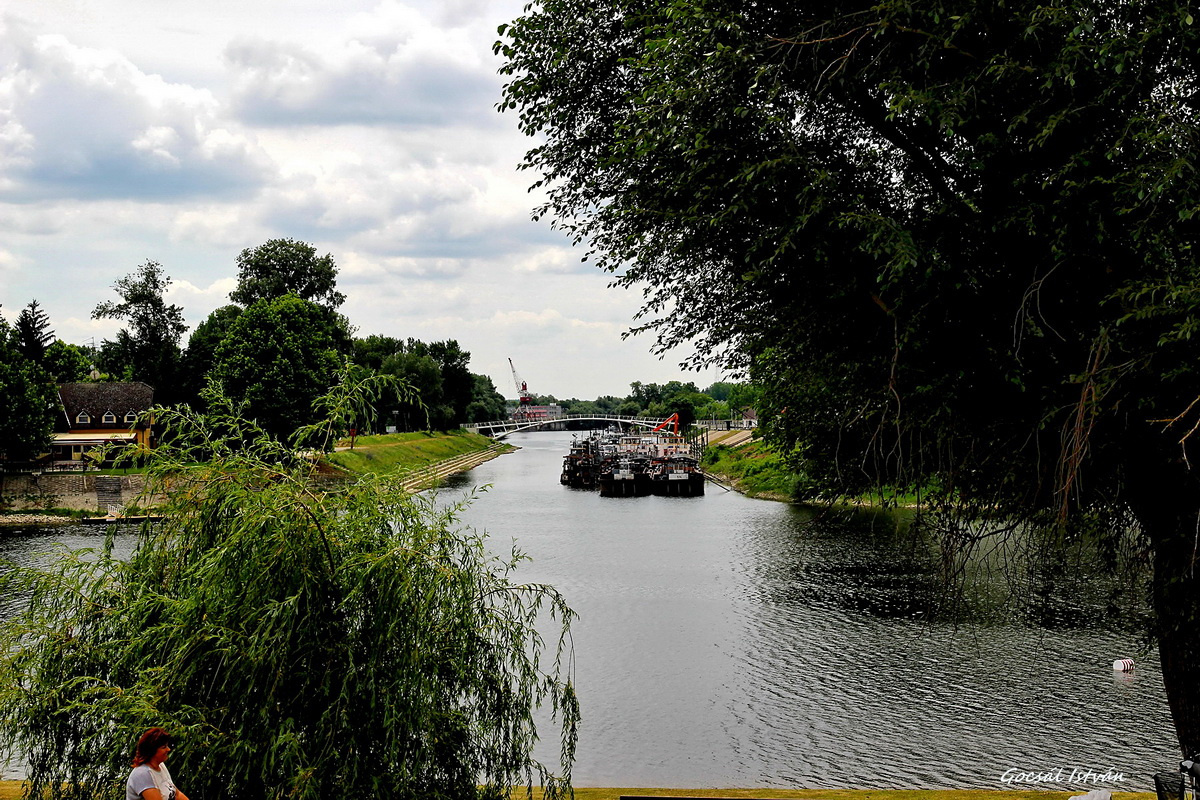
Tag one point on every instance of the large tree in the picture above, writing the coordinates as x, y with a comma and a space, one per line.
66, 363
278, 357
954, 242
28, 401
486, 402
147, 349
423, 374
33, 331
280, 267
458, 384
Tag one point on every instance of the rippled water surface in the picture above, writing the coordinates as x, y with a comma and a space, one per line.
724, 641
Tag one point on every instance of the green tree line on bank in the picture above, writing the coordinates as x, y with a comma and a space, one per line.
722, 400
275, 349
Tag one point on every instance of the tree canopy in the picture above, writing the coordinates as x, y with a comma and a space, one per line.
280, 267
953, 242
28, 401
278, 356
33, 331
201, 352
66, 363
147, 349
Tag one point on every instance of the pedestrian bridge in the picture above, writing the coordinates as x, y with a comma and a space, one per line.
502, 428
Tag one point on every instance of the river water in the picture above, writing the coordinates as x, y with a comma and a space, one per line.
724, 641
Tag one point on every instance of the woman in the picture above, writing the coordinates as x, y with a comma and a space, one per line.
150, 779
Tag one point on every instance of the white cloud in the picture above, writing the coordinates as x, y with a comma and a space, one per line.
8, 262
393, 66
186, 133
188, 295
86, 123
212, 224
279, 84
549, 320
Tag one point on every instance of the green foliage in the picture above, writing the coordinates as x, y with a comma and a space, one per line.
147, 349
278, 357
371, 351
201, 353
301, 639
486, 403
66, 363
423, 374
28, 401
755, 469
439, 371
280, 267
458, 384
33, 331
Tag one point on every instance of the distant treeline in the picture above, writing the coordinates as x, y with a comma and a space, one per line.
275, 348
721, 400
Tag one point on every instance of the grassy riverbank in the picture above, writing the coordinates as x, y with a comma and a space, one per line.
753, 468
399, 452
11, 790
756, 470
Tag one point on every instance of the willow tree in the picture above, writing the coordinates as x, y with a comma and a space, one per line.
954, 241
301, 639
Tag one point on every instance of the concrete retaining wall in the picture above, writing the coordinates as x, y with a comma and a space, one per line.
75, 491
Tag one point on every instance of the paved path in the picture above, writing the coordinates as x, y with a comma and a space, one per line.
729, 438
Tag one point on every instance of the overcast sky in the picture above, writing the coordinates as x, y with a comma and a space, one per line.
184, 132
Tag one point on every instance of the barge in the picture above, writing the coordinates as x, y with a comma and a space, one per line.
634, 465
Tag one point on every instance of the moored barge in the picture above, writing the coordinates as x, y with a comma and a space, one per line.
634, 465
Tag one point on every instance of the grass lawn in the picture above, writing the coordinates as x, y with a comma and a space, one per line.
397, 452
754, 469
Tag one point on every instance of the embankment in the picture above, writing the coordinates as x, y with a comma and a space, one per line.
73, 491
422, 459
749, 466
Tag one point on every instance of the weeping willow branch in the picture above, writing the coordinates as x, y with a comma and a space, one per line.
302, 640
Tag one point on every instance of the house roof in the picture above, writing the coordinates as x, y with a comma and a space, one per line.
98, 398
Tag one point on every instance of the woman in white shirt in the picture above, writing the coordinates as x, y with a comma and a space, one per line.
150, 779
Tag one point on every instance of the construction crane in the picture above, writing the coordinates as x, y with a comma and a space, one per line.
523, 395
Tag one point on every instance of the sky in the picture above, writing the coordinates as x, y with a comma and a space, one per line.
185, 132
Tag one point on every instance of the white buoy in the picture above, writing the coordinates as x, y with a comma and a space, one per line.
1123, 665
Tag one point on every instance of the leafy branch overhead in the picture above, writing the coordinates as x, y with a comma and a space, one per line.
955, 244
